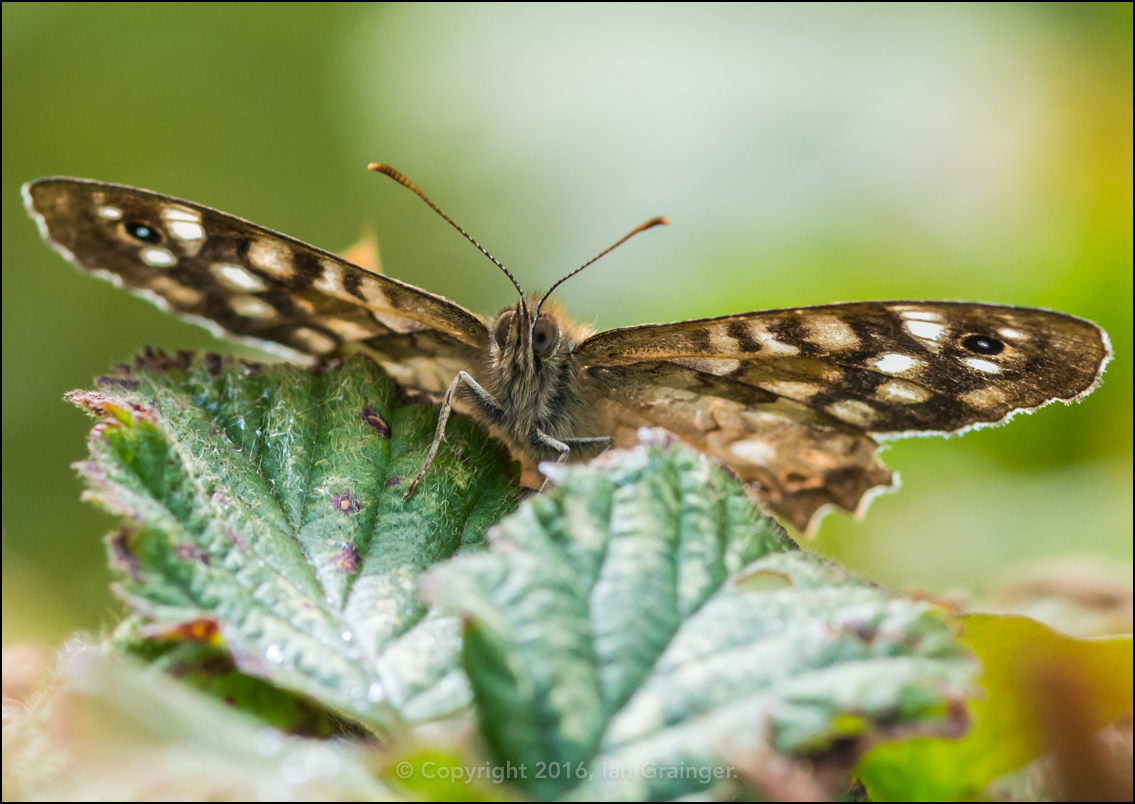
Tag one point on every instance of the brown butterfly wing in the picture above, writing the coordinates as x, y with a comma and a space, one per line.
803, 459
425, 360
795, 399
241, 280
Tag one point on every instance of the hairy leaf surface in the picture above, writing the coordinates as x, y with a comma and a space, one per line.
265, 514
643, 632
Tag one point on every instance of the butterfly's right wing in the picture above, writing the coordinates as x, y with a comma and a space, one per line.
803, 460
251, 284
796, 399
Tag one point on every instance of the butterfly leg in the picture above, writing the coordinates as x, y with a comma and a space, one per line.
589, 444
540, 439
565, 447
481, 398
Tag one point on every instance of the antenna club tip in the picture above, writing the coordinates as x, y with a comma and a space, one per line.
661, 220
379, 167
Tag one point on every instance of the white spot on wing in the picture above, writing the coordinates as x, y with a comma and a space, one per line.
926, 330
1011, 334
110, 213
893, 363
398, 323
158, 257
987, 366
373, 292
920, 315
420, 372
331, 281
722, 344
723, 366
754, 451
272, 257
179, 294
349, 330
313, 341
769, 343
831, 333
853, 411
185, 225
237, 277
251, 307
171, 214
185, 230
792, 390
989, 397
902, 392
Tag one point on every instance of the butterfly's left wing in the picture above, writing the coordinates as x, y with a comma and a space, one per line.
248, 283
797, 399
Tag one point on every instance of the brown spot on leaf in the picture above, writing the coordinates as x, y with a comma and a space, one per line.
193, 553
371, 418
347, 559
345, 502
393, 480
235, 539
121, 557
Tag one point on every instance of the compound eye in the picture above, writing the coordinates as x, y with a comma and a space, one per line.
545, 337
503, 324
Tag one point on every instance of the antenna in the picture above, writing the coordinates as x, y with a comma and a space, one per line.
398, 177
650, 224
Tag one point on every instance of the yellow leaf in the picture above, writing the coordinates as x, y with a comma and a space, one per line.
1043, 691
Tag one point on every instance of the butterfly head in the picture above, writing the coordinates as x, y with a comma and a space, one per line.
532, 338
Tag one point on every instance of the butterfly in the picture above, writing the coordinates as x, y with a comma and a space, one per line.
794, 401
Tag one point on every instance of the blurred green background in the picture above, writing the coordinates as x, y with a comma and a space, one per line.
805, 154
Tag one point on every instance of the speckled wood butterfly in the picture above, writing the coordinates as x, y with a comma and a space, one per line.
794, 400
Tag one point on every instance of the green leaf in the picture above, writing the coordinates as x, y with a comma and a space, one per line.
265, 514
642, 632
1009, 722
108, 729
210, 668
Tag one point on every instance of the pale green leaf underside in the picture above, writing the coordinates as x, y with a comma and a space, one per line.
644, 618
107, 729
268, 499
